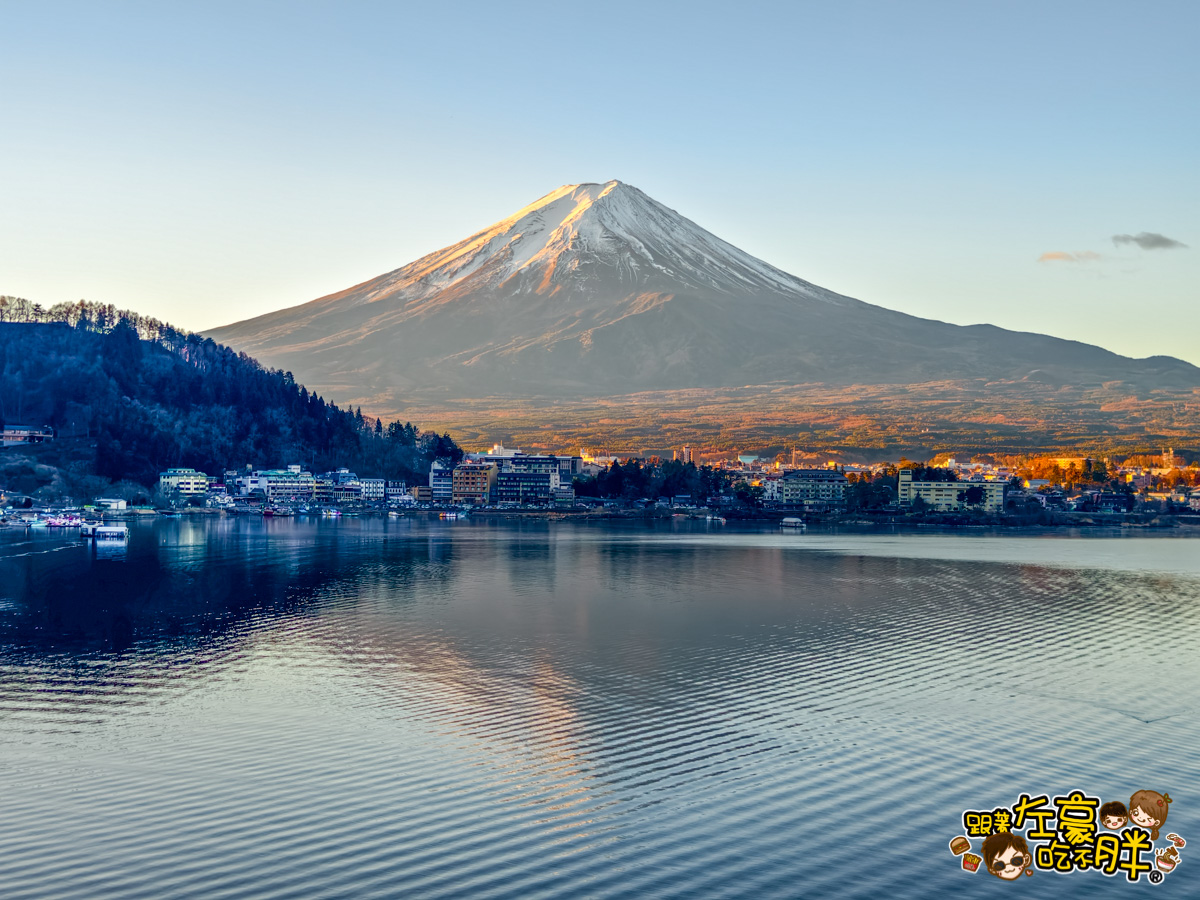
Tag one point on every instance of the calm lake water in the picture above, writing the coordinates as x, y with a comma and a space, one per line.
410, 708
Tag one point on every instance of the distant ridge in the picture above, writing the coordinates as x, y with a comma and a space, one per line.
597, 290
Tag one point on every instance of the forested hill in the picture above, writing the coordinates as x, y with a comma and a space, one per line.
151, 397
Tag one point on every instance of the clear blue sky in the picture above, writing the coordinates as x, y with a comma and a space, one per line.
206, 162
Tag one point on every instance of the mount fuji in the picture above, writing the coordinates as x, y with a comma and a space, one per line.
598, 290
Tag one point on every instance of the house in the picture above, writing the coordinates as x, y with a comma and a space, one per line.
1104, 501
25, 434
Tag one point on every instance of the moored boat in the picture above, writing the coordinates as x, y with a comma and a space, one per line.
111, 533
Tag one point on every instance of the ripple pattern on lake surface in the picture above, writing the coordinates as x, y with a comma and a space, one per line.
410, 709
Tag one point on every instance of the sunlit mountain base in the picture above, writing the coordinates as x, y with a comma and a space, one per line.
860, 422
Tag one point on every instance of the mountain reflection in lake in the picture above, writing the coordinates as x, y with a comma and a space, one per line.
410, 708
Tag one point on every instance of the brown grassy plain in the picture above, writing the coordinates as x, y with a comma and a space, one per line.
856, 423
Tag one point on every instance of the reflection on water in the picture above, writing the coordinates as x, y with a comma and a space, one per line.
410, 708
110, 549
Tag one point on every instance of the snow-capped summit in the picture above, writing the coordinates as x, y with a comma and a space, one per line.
597, 290
580, 234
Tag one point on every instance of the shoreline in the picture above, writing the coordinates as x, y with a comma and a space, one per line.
1129, 523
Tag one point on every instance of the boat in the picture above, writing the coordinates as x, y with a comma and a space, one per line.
88, 529
111, 533
447, 515
793, 522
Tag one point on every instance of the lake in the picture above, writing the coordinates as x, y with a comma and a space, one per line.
415, 708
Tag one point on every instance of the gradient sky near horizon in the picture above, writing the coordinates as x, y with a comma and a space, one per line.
207, 162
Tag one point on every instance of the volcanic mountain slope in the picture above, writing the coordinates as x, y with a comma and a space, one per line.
597, 290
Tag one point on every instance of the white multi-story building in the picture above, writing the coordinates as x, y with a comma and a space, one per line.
772, 490
441, 482
290, 484
510, 460
813, 488
946, 494
373, 489
188, 482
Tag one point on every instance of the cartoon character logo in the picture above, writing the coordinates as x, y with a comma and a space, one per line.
1113, 815
1075, 832
1006, 855
1149, 810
